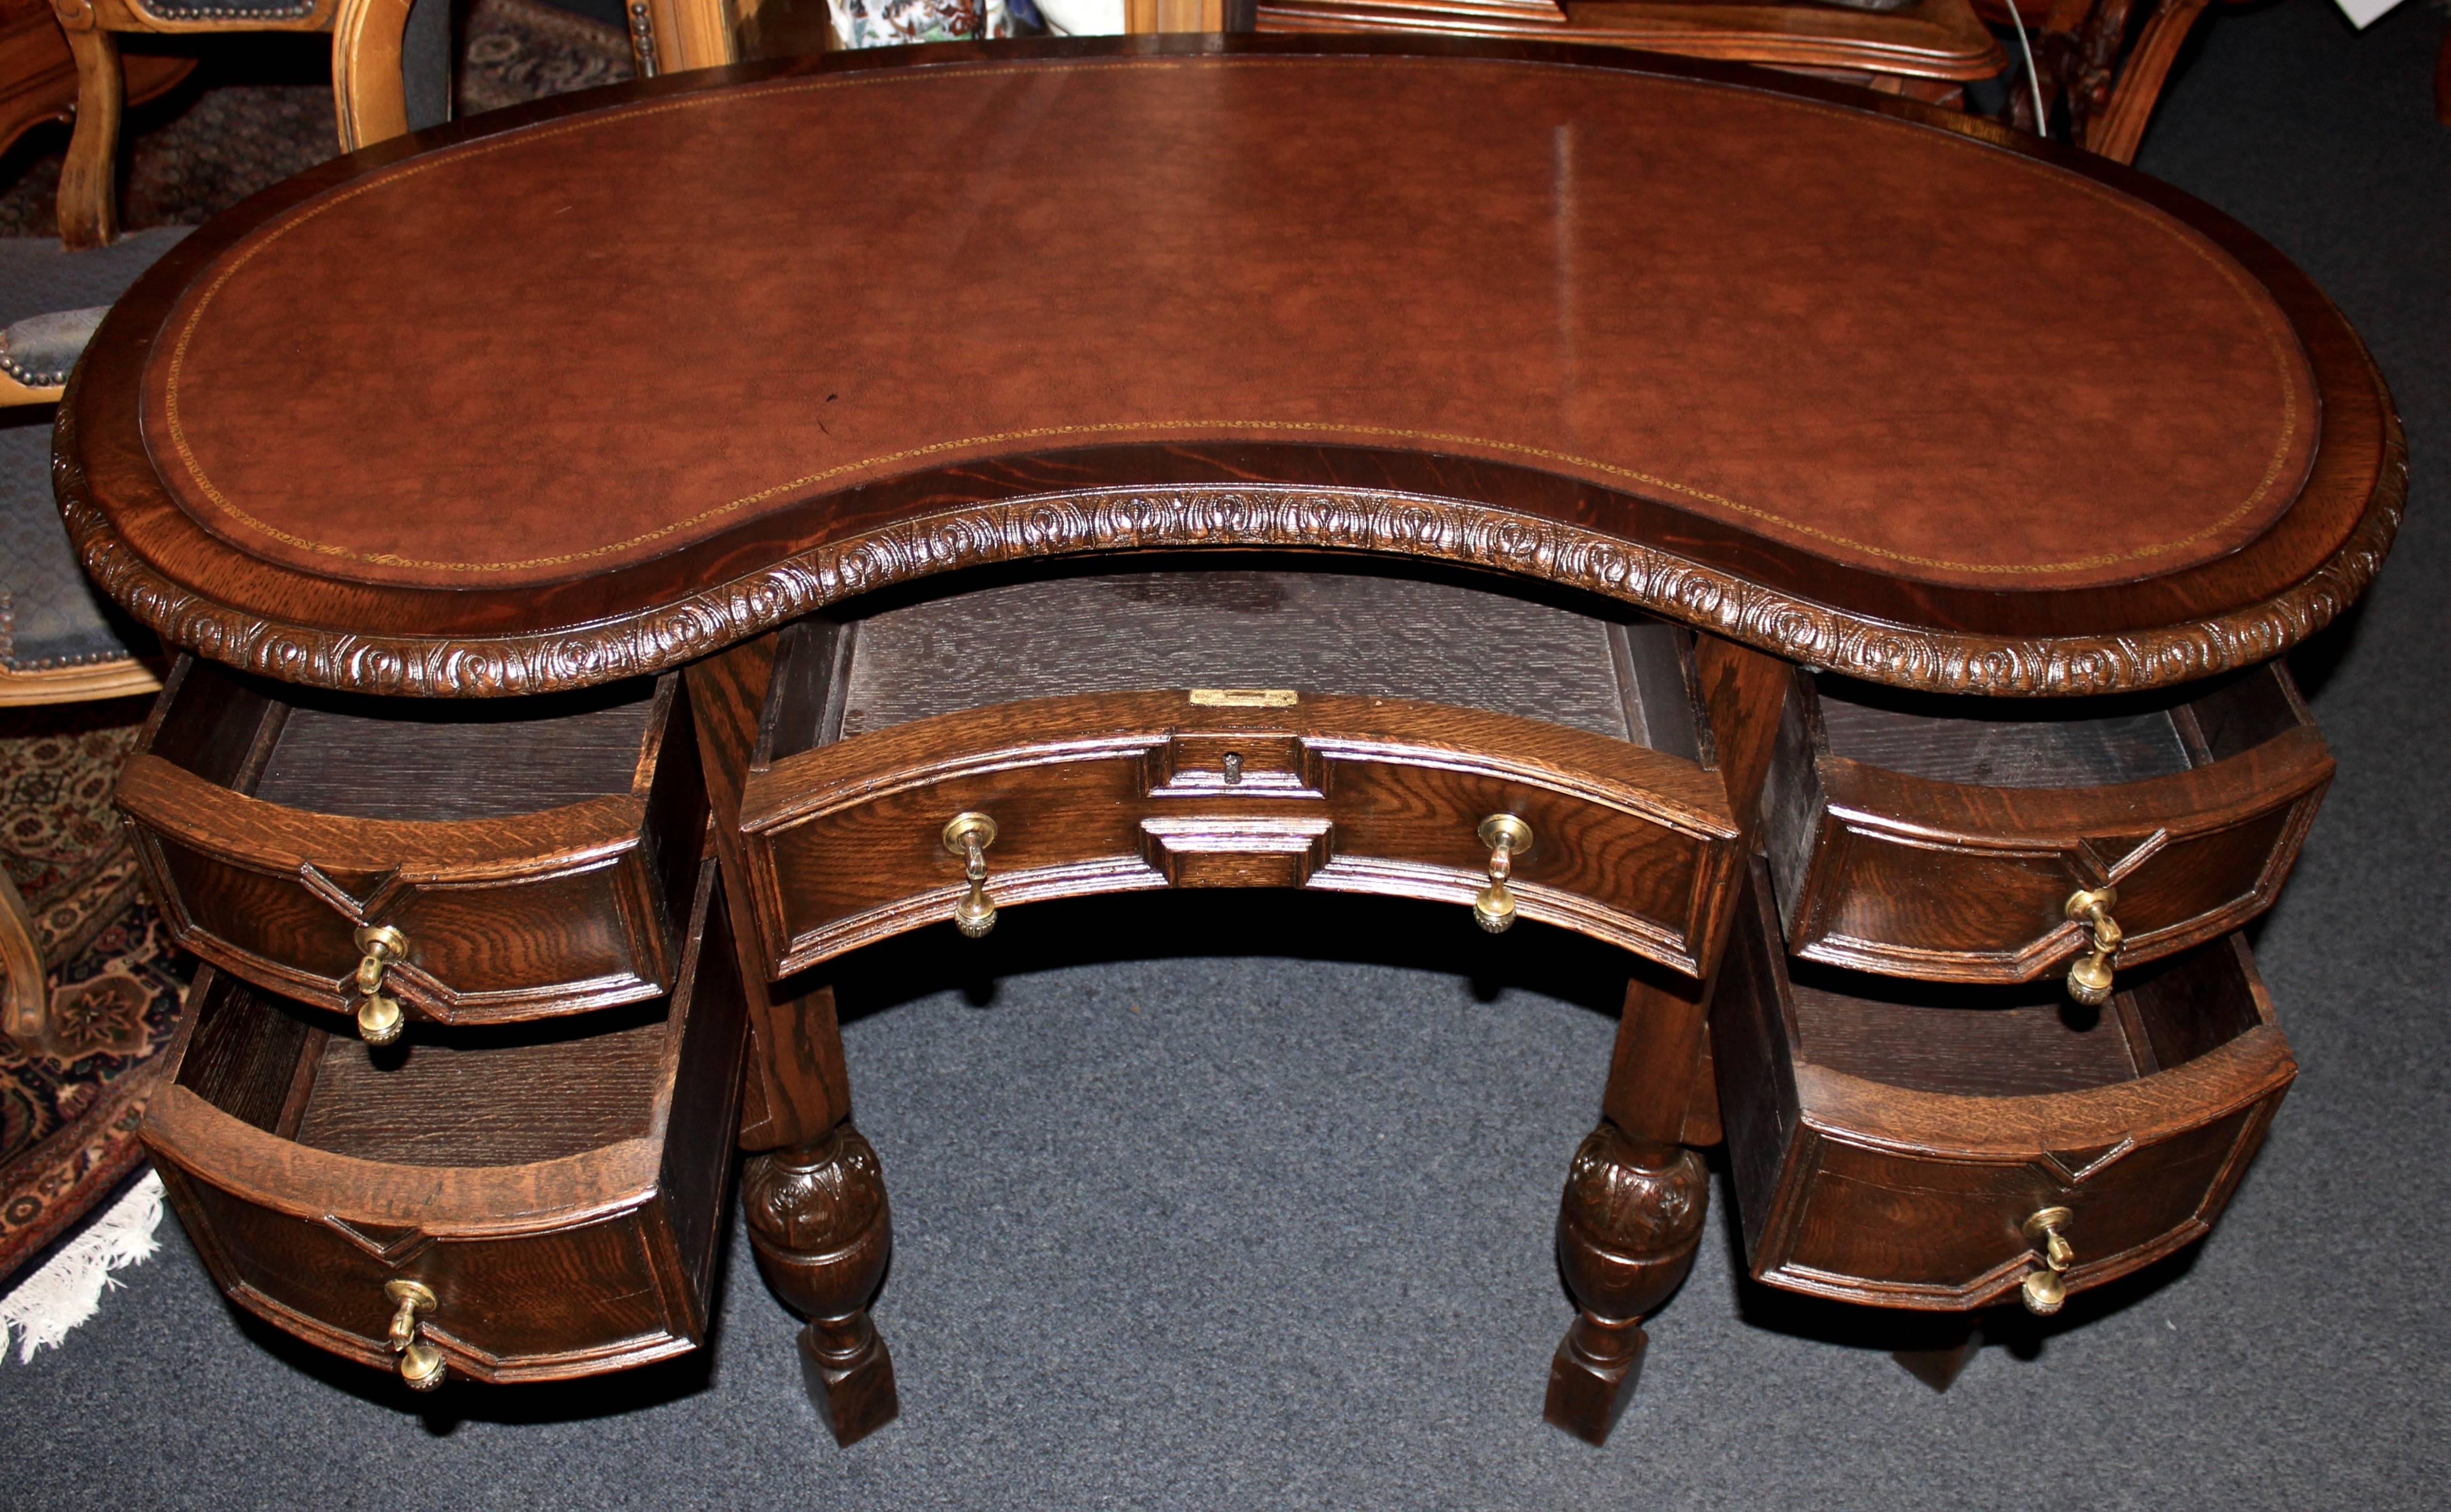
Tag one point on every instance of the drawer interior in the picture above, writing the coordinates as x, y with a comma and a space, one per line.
1467, 642
404, 758
496, 1095
2023, 1040
2053, 743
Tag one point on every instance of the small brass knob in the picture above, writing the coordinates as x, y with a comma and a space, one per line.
1507, 837
380, 1019
421, 1364
2089, 979
969, 835
2045, 1288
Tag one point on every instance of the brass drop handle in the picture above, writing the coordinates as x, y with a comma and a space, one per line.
1507, 837
380, 1019
421, 1364
2046, 1289
2089, 981
969, 835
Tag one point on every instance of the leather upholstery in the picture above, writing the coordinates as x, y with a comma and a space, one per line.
41, 350
49, 614
1879, 342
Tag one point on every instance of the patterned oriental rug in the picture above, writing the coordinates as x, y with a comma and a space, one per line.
257, 110
68, 1107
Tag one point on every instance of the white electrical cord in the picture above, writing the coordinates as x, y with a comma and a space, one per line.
2042, 121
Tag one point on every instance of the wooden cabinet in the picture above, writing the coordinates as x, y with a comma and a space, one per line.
557, 1189
878, 731
534, 854
1944, 837
1905, 1143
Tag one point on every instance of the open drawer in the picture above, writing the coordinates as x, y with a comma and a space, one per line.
1223, 727
533, 856
1906, 1145
558, 1195
1950, 838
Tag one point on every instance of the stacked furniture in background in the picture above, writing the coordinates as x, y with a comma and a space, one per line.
2098, 66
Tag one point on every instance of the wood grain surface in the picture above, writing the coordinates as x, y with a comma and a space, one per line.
842, 845
1943, 838
1472, 644
1925, 39
515, 904
565, 1216
1888, 1151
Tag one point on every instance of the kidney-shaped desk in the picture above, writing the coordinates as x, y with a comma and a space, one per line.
1832, 550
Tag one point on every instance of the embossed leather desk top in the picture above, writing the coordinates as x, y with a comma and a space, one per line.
578, 393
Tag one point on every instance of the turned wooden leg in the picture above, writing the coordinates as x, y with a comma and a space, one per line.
1627, 1233
818, 1219
88, 200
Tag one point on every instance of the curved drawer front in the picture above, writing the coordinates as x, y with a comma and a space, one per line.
557, 1196
1891, 1152
272, 834
846, 844
1947, 841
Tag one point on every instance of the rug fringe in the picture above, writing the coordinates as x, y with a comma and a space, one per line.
67, 1289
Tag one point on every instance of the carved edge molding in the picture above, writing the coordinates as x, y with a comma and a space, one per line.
1189, 517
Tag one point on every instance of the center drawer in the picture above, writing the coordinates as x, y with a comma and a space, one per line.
1235, 728
533, 856
556, 1188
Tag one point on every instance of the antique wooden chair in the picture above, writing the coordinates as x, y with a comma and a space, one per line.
59, 643
38, 81
391, 65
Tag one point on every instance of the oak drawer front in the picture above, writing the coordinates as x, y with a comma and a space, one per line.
845, 844
1891, 1152
505, 915
518, 1306
558, 1194
2189, 814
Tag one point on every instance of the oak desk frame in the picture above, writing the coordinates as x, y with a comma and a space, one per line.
1633, 1212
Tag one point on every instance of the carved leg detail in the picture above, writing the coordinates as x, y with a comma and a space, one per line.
818, 1219
1627, 1233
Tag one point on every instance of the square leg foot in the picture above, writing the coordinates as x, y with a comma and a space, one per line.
1593, 1377
1939, 1363
850, 1376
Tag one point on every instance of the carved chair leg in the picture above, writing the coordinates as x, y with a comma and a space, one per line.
24, 999
1627, 1233
89, 200
818, 1219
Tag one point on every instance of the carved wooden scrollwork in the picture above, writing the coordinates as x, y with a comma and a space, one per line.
1191, 517
816, 1201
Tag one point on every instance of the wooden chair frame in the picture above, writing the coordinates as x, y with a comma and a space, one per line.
369, 105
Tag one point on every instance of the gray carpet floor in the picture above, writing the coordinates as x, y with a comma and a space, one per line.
1182, 1223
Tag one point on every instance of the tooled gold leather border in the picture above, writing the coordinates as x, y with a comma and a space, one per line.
1373, 521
